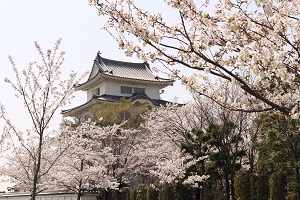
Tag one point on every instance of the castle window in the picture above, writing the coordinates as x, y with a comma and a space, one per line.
140, 90
126, 90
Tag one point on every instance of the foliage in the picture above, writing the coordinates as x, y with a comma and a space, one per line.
262, 187
277, 186
167, 192
20, 163
85, 163
244, 185
226, 154
167, 129
114, 194
43, 92
279, 148
108, 114
152, 193
250, 44
198, 147
141, 192
162, 191
182, 191
133, 194
127, 116
206, 145
96, 158
3, 137
127, 194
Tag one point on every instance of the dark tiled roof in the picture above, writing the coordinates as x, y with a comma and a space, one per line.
125, 70
135, 96
140, 71
77, 107
110, 98
113, 98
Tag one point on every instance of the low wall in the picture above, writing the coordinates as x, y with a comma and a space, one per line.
49, 195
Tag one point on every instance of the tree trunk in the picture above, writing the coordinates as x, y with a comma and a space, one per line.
37, 168
297, 182
106, 195
201, 184
80, 192
79, 195
198, 196
232, 186
227, 185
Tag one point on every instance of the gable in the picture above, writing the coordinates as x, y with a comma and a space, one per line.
94, 72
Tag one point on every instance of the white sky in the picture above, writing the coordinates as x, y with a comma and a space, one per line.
23, 22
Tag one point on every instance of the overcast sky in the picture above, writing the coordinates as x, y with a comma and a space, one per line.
77, 23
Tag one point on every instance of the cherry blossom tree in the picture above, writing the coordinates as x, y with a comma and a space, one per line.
3, 136
97, 157
198, 132
119, 143
85, 164
229, 134
253, 44
159, 150
43, 92
20, 166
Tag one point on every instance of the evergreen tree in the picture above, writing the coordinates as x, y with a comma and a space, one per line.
226, 155
279, 150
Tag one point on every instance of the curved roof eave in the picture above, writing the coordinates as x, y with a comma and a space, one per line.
89, 82
97, 99
77, 109
159, 81
84, 85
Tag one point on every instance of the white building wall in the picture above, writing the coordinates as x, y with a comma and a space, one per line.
90, 92
16, 196
114, 88
57, 197
89, 95
153, 92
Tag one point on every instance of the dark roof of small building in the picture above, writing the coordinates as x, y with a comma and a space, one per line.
126, 70
113, 98
135, 96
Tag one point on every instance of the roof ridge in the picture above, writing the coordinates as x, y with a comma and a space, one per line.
100, 59
123, 62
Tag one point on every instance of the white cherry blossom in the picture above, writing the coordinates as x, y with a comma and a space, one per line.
251, 44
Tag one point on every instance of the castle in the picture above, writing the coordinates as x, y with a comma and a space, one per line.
111, 80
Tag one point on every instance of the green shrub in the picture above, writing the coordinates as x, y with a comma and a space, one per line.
167, 192
133, 194
152, 193
183, 192
141, 192
242, 185
127, 194
262, 187
277, 186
